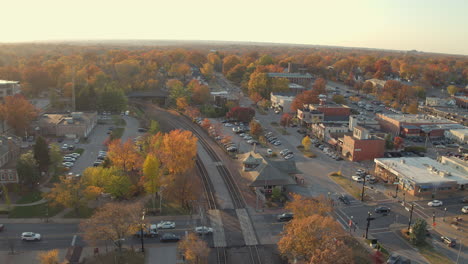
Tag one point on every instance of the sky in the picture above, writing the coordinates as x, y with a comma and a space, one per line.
424, 25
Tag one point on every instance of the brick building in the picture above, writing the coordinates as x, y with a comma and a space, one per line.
9, 153
324, 113
394, 123
326, 131
364, 144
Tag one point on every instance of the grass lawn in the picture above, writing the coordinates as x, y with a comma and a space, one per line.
33, 196
79, 151
360, 253
84, 212
127, 256
168, 208
348, 185
117, 132
34, 211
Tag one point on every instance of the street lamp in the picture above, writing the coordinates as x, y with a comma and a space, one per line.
369, 219
141, 232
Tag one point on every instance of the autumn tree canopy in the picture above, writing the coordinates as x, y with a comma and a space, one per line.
242, 114
178, 150
18, 113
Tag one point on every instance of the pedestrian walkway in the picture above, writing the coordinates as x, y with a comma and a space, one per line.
246, 227
219, 238
31, 204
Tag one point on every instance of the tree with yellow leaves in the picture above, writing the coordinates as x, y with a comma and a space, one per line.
195, 250
151, 177
303, 206
181, 103
72, 193
306, 142
48, 257
178, 151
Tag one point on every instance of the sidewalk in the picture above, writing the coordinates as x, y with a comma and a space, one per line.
78, 220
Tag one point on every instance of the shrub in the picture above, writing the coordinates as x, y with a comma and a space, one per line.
415, 149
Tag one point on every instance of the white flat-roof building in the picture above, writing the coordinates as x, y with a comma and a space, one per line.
9, 88
421, 175
459, 135
282, 101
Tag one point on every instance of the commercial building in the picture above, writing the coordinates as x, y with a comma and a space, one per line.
282, 101
364, 144
459, 135
326, 131
325, 112
9, 153
9, 88
221, 98
355, 120
421, 176
436, 101
396, 123
74, 125
304, 79
461, 101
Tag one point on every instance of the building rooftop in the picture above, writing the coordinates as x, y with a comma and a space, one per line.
409, 118
8, 82
442, 126
328, 118
295, 86
422, 170
288, 75
284, 94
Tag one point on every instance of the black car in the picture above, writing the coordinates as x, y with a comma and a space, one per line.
344, 199
382, 210
71, 147
142, 130
285, 217
169, 237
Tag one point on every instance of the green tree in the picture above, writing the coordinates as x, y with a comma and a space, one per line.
452, 89
306, 142
418, 232
112, 99
265, 60
339, 99
56, 158
258, 83
388, 142
41, 154
151, 174
118, 186
27, 170
154, 127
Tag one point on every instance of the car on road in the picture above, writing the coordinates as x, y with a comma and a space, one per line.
30, 236
64, 147
465, 209
97, 163
169, 237
284, 151
448, 241
165, 225
285, 217
435, 203
382, 210
2, 226
203, 230
231, 149
289, 156
357, 178
344, 199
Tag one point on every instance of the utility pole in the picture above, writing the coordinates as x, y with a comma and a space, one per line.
396, 191
73, 90
141, 232
362, 194
410, 217
369, 219
445, 212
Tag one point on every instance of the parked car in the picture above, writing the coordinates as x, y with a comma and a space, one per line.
269, 151
97, 163
75, 155
71, 147
30, 236
285, 217
142, 130
203, 230
357, 178
231, 149
64, 147
464, 200
283, 152
152, 231
448, 241
289, 156
68, 159
277, 143
465, 209
382, 210
165, 225
68, 164
169, 237
435, 203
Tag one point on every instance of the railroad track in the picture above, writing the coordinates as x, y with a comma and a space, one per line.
254, 255
207, 185
221, 255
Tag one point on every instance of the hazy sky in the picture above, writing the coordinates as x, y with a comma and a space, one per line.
426, 25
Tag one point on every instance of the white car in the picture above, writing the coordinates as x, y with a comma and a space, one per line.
435, 203
247, 137
284, 151
68, 159
203, 230
357, 178
165, 225
465, 209
277, 143
65, 147
75, 155
30, 236
68, 164
289, 156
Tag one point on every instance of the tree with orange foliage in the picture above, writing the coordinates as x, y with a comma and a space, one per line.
206, 123
332, 252
194, 249
181, 103
303, 206
306, 97
229, 62
285, 120
192, 112
320, 86
178, 151
398, 142
200, 92
48, 257
18, 113
124, 156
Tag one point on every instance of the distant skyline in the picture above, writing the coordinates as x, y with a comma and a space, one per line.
423, 25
